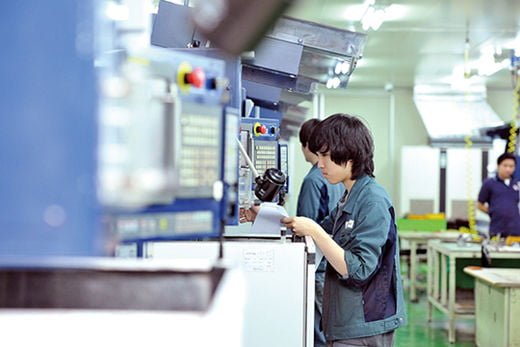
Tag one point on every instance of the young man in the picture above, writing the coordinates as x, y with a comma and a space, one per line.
316, 200
363, 298
499, 198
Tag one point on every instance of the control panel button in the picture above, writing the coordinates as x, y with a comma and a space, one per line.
182, 72
197, 77
261, 129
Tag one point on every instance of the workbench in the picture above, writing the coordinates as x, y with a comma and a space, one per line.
497, 306
415, 239
441, 285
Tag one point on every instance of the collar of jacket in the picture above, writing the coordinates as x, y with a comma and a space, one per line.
354, 192
352, 196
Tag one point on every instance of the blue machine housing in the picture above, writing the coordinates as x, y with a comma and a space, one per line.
48, 130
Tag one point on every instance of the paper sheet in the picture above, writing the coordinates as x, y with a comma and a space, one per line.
267, 222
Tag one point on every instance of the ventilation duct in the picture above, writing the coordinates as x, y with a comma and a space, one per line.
450, 116
306, 53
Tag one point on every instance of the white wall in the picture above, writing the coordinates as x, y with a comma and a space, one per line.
463, 175
420, 176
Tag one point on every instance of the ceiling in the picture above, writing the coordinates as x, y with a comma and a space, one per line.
423, 40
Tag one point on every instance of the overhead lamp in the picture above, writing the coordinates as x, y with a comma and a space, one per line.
333, 82
373, 16
342, 67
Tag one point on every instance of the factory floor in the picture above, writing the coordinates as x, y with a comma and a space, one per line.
420, 332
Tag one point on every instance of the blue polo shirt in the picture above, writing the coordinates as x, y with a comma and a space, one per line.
502, 200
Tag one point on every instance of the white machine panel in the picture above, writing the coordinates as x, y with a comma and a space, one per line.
279, 295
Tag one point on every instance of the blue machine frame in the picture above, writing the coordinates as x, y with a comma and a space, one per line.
49, 131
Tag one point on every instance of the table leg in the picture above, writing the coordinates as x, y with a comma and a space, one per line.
413, 270
451, 299
429, 281
444, 282
436, 270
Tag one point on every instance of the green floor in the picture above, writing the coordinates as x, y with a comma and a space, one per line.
420, 332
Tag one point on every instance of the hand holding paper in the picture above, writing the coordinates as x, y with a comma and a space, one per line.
267, 221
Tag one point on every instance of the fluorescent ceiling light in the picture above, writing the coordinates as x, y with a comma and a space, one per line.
355, 13
333, 82
374, 15
342, 67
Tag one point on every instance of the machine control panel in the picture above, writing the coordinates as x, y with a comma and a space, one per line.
263, 136
169, 185
259, 137
165, 225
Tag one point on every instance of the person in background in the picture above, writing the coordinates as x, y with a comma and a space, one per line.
363, 297
499, 197
316, 200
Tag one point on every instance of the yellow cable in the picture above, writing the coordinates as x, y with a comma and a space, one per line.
467, 69
511, 146
469, 178
471, 201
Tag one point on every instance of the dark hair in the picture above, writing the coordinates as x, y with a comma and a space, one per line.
505, 156
306, 130
346, 138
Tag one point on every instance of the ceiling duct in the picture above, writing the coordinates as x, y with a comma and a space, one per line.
292, 59
313, 53
449, 116
324, 48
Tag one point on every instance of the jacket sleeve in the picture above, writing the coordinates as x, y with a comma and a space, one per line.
364, 245
309, 199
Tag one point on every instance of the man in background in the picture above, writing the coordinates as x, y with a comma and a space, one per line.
499, 197
316, 200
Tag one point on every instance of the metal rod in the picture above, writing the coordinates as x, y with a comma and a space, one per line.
248, 160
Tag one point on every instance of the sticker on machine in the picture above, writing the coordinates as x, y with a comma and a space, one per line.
259, 260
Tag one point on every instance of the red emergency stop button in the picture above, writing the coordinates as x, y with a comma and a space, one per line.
262, 129
197, 77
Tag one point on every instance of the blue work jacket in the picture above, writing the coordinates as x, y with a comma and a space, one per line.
369, 300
